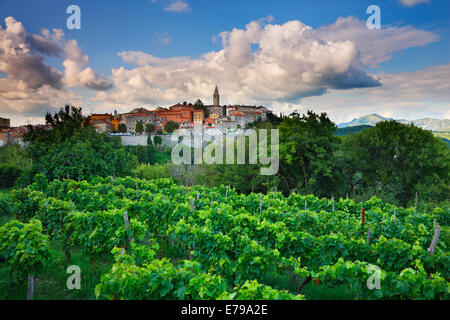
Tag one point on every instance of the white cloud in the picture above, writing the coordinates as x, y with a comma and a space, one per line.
178, 6
411, 3
21, 57
288, 66
376, 46
408, 95
30, 86
266, 63
76, 74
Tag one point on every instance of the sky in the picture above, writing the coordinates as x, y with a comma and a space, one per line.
286, 55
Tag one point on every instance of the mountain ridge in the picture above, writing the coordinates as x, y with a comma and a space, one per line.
425, 123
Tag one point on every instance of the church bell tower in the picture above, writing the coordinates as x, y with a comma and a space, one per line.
216, 98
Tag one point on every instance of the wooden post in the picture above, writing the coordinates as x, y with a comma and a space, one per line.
111, 180
368, 236
415, 207
30, 291
127, 225
332, 199
363, 216
432, 248
67, 253
305, 204
191, 202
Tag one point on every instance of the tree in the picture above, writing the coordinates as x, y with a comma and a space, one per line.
72, 149
308, 149
198, 103
63, 124
171, 126
158, 140
139, 127
395, 160
149, 128
122, 128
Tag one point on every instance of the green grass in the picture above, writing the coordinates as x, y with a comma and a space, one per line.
51, 283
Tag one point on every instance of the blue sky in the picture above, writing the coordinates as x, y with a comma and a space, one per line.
146, 26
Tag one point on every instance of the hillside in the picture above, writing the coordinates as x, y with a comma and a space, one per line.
370, 119
431, 124
425, 123
350, 130
444, 135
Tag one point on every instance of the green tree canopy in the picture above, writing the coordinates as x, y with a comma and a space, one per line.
139, 127
72, 149
63, 124
149, 128
122, 128
396, 159
171, 126
158, 140
307, 153
198, 103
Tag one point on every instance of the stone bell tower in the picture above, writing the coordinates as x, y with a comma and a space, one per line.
216, 98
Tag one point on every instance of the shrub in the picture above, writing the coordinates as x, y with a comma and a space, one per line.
9, 174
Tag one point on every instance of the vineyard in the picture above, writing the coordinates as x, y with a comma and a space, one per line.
165, 241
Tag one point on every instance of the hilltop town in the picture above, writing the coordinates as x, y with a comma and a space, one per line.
191, 119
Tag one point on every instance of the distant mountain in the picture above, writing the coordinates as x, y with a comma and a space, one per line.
431, 124
373, 119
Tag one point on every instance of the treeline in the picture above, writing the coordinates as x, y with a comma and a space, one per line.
70, 149
392, 161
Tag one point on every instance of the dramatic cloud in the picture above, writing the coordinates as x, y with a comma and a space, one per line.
411, 3
286, 67
375, 46
21, 59
75, 74
418, 94
31, 86
266, 63
178, 6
